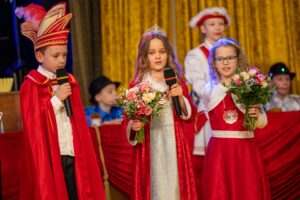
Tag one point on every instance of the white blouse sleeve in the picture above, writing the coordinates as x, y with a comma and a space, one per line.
196, 69
262, 119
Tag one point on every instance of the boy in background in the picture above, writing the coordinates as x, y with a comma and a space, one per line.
103, 94
282, 101
212, 23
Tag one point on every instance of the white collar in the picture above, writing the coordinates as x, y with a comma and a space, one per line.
214, 93
160, 86
208, 44
46, 73
277, 99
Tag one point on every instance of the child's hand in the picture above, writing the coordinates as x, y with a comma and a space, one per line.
63, 91
137, 125
175, 90
254, 111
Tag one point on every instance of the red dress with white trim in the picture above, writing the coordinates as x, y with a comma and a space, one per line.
233, 168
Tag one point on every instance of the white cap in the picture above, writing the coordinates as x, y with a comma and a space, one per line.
213, 12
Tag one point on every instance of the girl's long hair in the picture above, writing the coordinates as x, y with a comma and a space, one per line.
142, 61
226, 42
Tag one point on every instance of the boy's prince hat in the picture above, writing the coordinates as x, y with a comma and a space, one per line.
213, 12
45, 29
280, 68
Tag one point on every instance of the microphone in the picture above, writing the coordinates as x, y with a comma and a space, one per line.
170, 78
62, 77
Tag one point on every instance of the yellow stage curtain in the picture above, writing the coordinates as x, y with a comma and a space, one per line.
268, 30
123, 24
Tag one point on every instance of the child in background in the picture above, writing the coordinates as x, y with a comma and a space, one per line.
283, 101
212, 23
103, 94
233, 168
60, 162
162, 164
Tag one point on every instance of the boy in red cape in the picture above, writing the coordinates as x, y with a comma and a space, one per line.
60, 162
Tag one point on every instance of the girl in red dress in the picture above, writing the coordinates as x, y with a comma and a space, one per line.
233, 168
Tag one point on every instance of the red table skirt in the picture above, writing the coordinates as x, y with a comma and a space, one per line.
279, 142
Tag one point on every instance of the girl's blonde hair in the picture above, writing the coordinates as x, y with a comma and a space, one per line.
242, 62
142, 61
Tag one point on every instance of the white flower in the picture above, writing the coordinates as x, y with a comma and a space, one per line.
265, 84
245, 75
148, 97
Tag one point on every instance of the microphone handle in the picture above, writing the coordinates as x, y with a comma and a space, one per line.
68, 107
177, 106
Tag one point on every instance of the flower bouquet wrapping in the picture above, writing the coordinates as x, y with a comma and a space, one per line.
140, 103
251, 87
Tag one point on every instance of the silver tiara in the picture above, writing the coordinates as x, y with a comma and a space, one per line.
155, 30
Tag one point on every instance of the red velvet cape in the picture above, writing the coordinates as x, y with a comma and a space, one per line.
141, 157
42, 176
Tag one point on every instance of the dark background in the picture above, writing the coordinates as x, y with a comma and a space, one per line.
16, 51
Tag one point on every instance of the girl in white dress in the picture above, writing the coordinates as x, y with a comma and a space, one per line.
162, 166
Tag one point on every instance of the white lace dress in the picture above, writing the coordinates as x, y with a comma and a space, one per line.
163, 155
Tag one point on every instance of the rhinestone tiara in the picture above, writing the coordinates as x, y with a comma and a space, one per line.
155, 30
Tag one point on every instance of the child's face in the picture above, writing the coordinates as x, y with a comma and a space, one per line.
157, 55
107, 96
213, 29
225, 61
53, 58
283, 83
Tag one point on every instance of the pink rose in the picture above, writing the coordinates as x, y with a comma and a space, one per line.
236, 79
148, 111
139, 109
144, 87
260, 78
131, 96
141, 104
139, 112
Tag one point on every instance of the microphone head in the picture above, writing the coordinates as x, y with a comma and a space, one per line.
170, 76
62, 76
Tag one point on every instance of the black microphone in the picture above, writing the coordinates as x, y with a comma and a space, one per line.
62, 77
170, 78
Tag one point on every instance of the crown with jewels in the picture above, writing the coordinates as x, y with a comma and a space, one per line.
155, 30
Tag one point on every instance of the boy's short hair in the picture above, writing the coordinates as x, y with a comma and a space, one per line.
280, 68
98, 84
42, 50
213, 12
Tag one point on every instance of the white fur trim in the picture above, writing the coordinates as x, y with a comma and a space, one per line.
210, 11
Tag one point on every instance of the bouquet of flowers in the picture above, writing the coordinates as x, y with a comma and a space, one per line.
140, 102
251, 87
